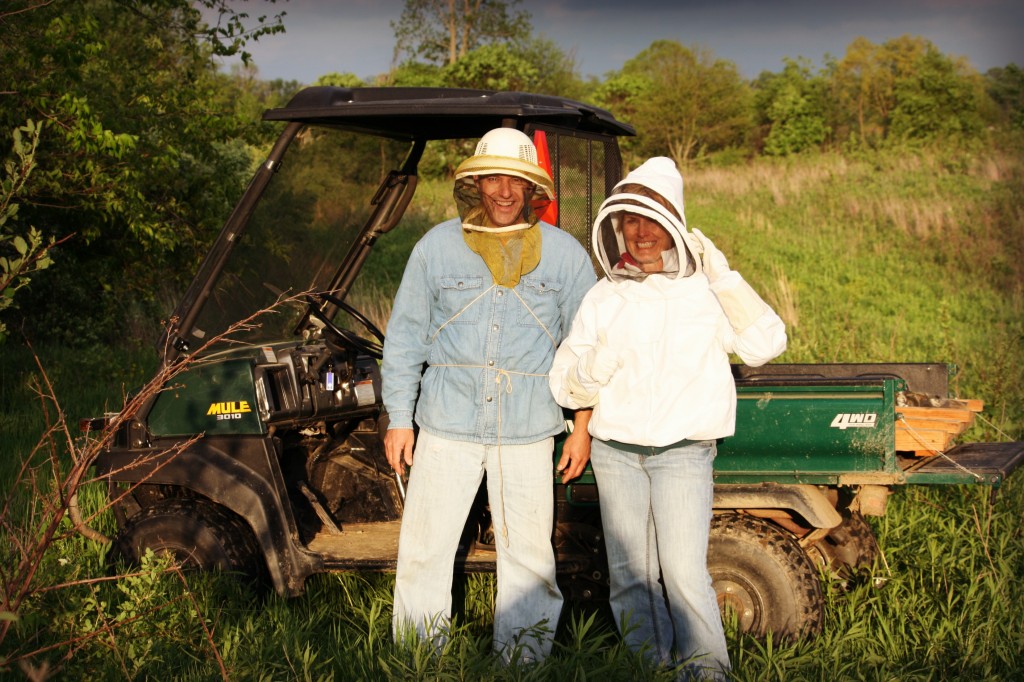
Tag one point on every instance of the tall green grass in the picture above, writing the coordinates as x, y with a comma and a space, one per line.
887, 257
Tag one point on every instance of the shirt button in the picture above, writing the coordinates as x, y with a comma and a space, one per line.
501, 293
490, 363
488, 398
495, 327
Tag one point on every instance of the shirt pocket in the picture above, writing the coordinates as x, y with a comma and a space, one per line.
539, 307
459, 299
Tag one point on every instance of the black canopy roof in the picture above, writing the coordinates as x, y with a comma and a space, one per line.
439, 113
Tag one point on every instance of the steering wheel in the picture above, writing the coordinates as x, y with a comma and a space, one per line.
374, 349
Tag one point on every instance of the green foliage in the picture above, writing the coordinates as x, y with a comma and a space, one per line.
231, 32
1006, 88
414, 74
928, 95
23, 251
341, 80
683, 102
557, 70
903, 90
793, 106
535, 66
492, 67
443, 31
141, 161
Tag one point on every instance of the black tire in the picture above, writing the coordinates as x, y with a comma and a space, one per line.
762, 574
199, 534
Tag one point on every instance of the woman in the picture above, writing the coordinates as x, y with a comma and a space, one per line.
649, 350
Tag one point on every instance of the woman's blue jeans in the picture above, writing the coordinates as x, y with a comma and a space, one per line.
656, 515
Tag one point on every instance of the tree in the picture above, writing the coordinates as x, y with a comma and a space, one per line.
443, 31
862, 92
792, 105
1006, 88
935, 96
492, 67
144, 155
683, 102
557, 73
902, 90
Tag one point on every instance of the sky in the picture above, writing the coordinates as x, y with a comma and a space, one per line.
355, 36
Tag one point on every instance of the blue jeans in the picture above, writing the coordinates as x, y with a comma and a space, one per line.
656, 515
443, 481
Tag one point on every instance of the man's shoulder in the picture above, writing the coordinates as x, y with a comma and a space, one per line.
444, 230
561, 241
440, 236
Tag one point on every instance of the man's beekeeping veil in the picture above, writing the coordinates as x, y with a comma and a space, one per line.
513, 250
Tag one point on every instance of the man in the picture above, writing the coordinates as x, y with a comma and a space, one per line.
484, 302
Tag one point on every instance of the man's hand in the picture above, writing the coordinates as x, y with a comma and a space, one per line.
398, 448
576, 449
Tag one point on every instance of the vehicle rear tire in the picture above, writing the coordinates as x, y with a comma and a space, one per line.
762, 574
197, 533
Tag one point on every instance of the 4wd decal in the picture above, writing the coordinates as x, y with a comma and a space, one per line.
232, 410
849, 421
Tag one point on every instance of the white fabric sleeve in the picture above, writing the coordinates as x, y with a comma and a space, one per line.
759, 334
569, 386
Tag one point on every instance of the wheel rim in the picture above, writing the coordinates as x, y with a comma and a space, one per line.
741, 598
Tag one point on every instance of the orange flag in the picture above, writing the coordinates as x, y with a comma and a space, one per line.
546, 209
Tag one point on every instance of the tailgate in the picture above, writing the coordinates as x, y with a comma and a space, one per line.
984, 463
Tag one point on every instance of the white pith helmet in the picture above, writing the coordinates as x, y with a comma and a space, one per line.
507, 151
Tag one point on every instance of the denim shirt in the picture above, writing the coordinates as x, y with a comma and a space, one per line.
485, 346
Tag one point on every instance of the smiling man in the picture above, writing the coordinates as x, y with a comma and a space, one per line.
484, 302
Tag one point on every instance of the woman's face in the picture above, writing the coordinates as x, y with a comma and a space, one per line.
504, 197
645, 240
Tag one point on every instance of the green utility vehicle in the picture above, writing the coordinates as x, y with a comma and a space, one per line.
262, 453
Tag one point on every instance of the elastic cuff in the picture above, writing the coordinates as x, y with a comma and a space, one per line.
402, 419
578, 392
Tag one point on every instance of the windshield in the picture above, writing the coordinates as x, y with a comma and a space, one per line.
305, 223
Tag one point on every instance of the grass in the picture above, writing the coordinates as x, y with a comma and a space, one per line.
912, 257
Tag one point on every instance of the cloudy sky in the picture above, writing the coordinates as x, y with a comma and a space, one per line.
355, 35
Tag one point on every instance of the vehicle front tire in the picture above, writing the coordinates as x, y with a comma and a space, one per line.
762, 574
197, 533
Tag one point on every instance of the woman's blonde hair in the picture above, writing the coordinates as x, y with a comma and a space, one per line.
645, 191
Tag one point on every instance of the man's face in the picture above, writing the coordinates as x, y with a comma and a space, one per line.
645, 240
504, 197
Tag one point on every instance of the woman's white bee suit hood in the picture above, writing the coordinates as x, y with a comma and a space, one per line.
658, 175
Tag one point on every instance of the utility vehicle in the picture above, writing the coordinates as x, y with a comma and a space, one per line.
263, 451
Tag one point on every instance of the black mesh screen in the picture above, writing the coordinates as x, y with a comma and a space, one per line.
585, 170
